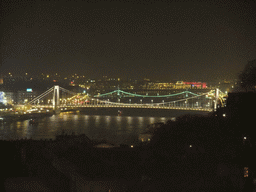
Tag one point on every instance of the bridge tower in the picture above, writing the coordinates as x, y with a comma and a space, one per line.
56, 98
216, 99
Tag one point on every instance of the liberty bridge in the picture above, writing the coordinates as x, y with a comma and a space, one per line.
58, 98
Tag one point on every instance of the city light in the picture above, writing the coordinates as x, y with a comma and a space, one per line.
246, 172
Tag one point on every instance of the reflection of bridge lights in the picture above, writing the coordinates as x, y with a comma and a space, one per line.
108, 120
151, 120
129, 120
75, 117
140, 120
163, 119
118, 119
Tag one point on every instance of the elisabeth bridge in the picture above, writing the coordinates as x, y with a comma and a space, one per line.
59, 98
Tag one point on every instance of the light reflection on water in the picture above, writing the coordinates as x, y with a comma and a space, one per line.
65, 117
114, 128
151, 120
108, 121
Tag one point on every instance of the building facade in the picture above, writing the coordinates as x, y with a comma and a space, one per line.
10, 97
24, 96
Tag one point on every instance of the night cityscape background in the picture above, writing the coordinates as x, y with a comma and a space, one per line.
165, 40
128, 95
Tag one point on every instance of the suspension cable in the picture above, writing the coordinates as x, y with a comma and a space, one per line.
137, 95
42, 95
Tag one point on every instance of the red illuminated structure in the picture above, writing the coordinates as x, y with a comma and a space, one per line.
196, 84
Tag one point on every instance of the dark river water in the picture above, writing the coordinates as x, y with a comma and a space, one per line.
95, 124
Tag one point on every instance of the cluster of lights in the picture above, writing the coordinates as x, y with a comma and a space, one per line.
33, 110
6, 109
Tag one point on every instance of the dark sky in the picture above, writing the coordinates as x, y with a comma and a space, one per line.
165, 40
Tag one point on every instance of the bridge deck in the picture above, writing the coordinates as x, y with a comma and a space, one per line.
126, 106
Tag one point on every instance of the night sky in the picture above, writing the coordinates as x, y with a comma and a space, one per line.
160, 40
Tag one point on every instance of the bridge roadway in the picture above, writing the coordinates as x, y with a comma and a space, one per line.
148, 106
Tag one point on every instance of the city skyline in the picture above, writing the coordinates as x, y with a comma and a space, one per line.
158, 40
51, 77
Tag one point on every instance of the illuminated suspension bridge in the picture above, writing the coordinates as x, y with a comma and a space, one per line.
59, 98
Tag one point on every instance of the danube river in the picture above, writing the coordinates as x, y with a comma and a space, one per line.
95, 124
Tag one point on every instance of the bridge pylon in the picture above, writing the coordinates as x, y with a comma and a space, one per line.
56, 98
216, 99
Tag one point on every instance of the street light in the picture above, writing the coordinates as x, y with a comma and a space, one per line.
141, 101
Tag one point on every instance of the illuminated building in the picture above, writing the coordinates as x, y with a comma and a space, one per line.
163, 85
197, 85
179, 85
25, 96
10, 97
2, 97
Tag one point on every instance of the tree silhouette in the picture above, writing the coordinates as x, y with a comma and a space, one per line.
195, 148
248, 76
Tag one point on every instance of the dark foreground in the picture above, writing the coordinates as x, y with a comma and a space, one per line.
194, 153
